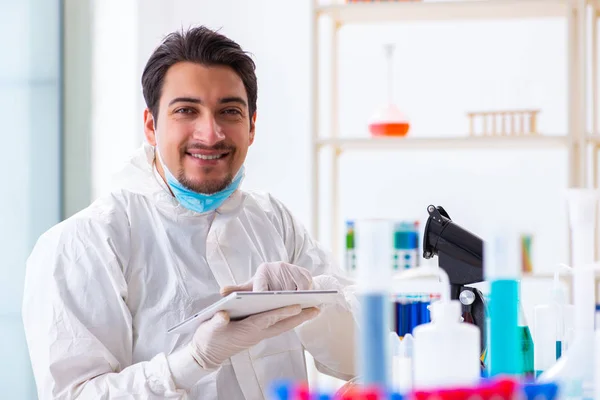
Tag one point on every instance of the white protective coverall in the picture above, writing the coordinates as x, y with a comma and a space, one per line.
103, 287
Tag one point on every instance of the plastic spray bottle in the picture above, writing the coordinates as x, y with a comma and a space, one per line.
374, 244
501, 269
446, 351
550, 325
575, 370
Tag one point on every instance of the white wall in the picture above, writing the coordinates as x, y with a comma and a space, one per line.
443, 70
114, 87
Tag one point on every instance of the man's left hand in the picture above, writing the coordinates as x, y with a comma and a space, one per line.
274, 276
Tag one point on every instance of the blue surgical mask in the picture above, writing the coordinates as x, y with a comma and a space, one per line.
200, 202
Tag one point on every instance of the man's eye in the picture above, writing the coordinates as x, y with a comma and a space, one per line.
232, 111
184, 110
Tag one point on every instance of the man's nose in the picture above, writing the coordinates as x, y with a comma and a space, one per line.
208, 131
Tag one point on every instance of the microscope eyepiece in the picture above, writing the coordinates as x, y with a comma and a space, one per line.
460, 252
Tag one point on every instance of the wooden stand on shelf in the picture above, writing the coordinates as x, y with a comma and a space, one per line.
504, 123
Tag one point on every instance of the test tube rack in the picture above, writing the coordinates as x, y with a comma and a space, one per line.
503, 123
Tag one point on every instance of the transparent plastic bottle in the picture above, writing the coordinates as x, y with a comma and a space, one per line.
374, 239
551, 326
501, 268
527, 349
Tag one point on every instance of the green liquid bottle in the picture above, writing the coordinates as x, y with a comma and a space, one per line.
350, 262
526, 342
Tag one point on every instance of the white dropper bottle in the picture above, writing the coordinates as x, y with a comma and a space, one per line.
446, 351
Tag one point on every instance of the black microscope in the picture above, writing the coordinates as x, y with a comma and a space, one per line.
460, 255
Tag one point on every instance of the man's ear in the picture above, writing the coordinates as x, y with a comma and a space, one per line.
252, 127
149, 130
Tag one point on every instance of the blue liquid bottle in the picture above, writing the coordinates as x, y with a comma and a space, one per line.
501, 269
374, 244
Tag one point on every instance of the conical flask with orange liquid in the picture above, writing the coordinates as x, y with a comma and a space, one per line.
388, 120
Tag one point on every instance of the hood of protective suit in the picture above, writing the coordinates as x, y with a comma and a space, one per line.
133, 176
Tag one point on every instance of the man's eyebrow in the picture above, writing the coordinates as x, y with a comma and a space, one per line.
195, 100
185, 100
233, 99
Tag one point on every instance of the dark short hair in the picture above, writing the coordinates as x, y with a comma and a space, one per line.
199, 45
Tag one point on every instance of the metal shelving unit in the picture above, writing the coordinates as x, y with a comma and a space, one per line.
576, 141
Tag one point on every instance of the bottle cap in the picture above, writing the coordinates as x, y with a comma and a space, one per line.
443, 312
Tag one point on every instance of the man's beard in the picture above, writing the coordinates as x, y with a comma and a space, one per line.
206, 186
213, 185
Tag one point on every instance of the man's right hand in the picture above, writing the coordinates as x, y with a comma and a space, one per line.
219, 338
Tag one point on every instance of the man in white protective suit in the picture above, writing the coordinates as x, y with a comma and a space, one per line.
175, 234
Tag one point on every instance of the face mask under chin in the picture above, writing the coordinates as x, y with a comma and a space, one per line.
194, 200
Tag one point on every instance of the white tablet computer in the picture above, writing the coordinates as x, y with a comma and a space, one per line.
243, 304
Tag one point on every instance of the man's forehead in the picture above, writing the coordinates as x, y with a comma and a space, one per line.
196, 77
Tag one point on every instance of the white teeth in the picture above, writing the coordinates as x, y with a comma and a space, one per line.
203, 157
